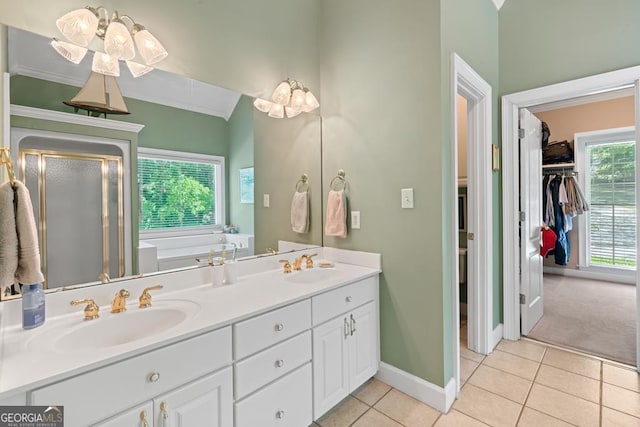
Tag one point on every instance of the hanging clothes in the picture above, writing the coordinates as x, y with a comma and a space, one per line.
562, 249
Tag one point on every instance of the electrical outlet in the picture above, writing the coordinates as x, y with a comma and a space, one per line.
265, 200
355, 220
407, 198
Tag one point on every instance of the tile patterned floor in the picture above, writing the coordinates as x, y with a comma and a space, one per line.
521, 383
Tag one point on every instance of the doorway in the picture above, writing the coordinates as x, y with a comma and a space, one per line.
520, 288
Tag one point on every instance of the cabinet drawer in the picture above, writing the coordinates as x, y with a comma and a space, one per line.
103, 392
268, 365
134, 417
287, 402
333, 303
270, 328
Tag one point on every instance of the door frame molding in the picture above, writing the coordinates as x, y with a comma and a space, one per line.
478, 93
510, 172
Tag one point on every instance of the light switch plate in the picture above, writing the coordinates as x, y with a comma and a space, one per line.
407, 198
265, 200
355, 220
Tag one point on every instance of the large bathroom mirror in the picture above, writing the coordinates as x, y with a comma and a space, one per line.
92, 222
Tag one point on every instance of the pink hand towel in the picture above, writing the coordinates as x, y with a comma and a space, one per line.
336, 221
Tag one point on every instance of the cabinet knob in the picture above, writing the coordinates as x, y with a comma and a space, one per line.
279, 363
143, 419
348, 299
280, 414
154, 377
279, 327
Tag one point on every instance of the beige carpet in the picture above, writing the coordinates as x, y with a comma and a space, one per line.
590, 316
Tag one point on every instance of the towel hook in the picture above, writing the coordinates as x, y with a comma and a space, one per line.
5, 159
303, 183
339, 178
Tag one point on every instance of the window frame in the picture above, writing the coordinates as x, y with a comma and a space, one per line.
220, 193
581, 141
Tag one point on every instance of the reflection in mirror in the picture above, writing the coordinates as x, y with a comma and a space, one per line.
112, 203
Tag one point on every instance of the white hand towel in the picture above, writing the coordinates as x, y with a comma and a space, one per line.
28, 271
336, 221
300, 212
8, 238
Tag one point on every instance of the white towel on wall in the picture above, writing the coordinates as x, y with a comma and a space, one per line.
300, 212
336, 221
8, 238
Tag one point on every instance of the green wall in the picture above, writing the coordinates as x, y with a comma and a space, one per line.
3, 69
240, 156
549, 41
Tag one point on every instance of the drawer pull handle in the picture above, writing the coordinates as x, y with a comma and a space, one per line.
143, 419
347, 328
348, 299
163, 410
280, 414
353, 325
154, 377
279, 363
279, 327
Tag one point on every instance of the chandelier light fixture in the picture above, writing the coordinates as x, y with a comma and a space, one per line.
290, 98
120, 41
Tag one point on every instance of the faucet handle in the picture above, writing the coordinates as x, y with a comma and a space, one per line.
287, 265
145, 298
309, 260
91, 310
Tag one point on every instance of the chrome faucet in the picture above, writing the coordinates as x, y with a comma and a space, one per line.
120, 301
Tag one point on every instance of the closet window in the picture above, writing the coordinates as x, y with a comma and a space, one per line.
180, 193
609, 182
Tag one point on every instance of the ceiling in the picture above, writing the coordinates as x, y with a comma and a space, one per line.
31, 55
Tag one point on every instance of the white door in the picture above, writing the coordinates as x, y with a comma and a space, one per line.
205, 402
330, 364
362, 345
531, 302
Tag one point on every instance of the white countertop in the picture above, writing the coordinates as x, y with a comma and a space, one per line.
27, 362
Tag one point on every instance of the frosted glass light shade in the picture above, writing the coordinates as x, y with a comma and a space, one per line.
105, 64
292, 112
138, 70
118, 41
297, 99
149, 47
276, 111
310, 102
282, 94
262, 105
78, 26
70, 51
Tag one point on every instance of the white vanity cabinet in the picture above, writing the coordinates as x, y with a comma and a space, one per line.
346, 347
140, 416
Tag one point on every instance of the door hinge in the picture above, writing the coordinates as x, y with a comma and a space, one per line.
523, 299
521, 216
471, 236
521, 133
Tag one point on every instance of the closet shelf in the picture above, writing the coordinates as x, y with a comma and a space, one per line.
558, 165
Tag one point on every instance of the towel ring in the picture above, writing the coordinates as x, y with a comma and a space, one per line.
303, 183
337, 180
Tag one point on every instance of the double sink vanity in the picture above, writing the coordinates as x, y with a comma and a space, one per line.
272, 349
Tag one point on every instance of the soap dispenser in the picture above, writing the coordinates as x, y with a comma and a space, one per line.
32, 306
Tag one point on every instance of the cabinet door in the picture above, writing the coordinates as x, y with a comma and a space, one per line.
330, 373
363, 343
134, 417
205, 402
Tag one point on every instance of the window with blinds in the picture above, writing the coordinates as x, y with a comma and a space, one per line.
179, 191
612, 218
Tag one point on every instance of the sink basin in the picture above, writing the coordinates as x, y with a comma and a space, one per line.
312, 275
113, 329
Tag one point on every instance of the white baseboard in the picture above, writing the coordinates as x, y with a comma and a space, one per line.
497, 335
627, 277
418, 388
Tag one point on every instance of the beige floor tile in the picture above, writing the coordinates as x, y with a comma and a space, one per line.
467, 367
512, 364
373, 418
501, 383
457, 419
572, 362
621, 399
406, 410
522, 348
343, 414
470, 355
532, 418
578, 385
371, 391
487, 407
625, 378
564, 406
612, 418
